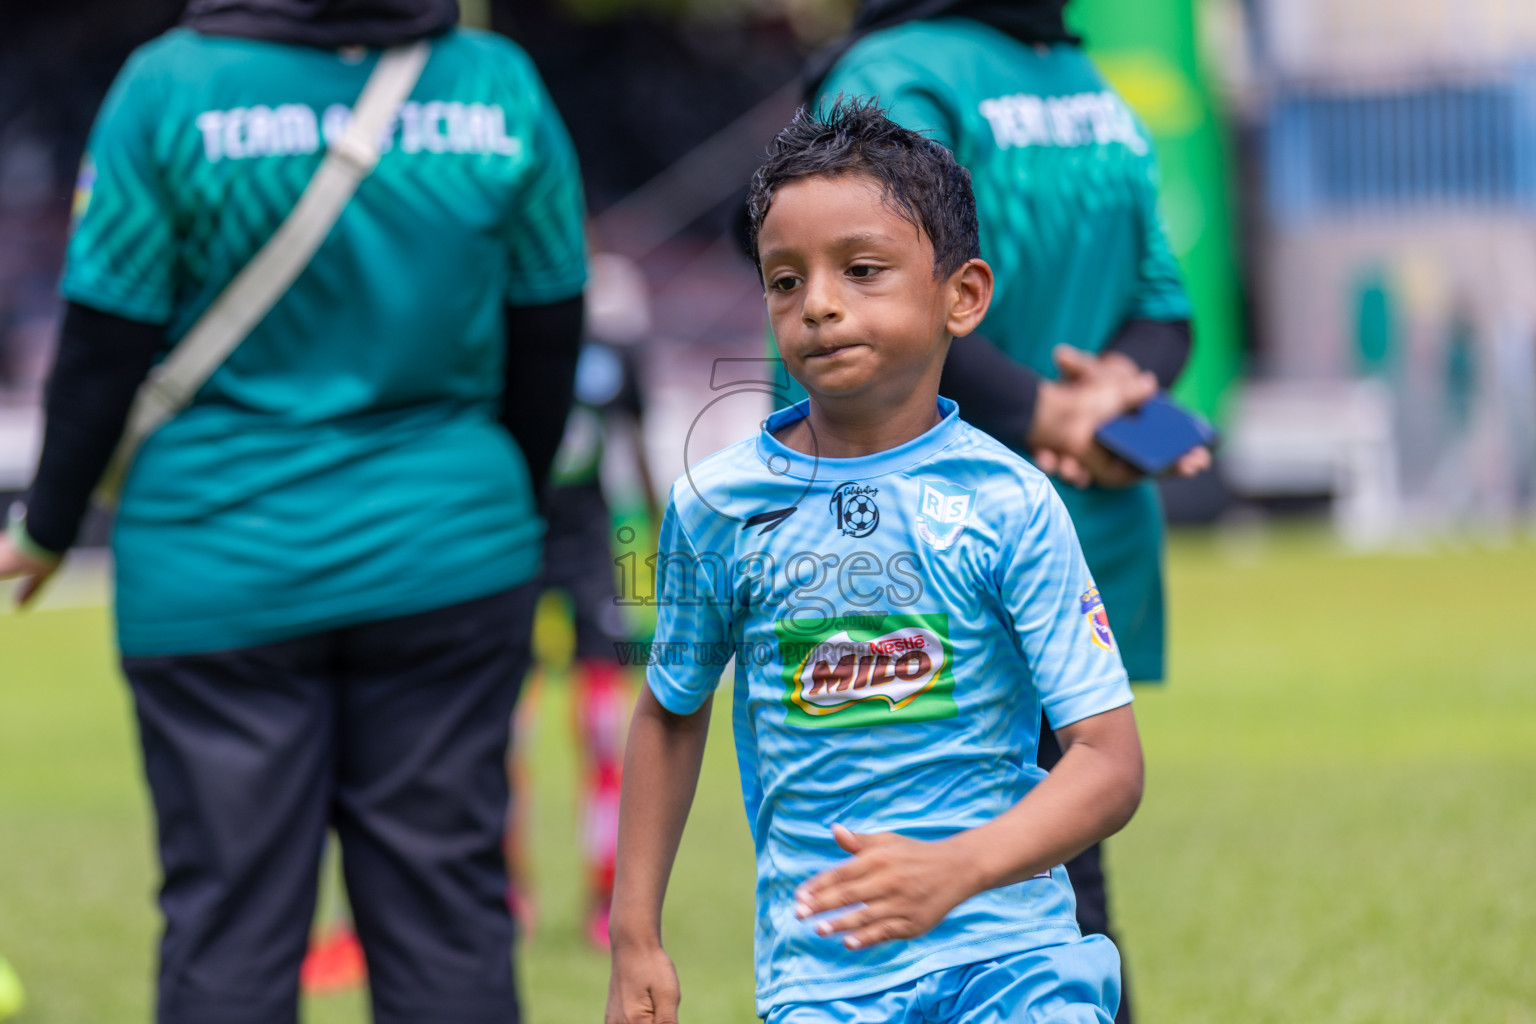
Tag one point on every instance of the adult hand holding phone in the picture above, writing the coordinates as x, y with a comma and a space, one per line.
1091, 391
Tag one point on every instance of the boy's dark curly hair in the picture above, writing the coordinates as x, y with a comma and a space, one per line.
919, 177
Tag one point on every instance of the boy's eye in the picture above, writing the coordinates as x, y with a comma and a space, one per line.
784, 282
863, 270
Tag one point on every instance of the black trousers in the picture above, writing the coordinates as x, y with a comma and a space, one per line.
1086, 871
392, 732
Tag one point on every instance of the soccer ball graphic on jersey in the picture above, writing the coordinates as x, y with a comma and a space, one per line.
860, 515
853, 506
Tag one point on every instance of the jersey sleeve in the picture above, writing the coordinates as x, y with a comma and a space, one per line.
545, 236
907, 92
1058, 620
122, 251
1159, 293
693, 625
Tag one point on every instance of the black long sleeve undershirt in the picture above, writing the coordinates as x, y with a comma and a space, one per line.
1159, 346
100, 362
998, 395
543, 343
102, 359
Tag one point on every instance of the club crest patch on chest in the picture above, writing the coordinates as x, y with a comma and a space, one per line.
1098, 619
859, 671
943, 510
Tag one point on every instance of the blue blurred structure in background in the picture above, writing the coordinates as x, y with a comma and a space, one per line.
1396, 368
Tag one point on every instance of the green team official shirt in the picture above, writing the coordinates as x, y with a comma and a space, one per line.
1066, 193
345, 464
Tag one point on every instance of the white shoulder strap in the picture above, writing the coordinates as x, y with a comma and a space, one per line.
267, 277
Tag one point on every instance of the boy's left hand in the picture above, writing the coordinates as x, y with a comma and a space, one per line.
906, 886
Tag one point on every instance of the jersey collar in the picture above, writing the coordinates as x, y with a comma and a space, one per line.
782, 460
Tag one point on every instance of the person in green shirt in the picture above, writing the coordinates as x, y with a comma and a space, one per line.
325, 564
1089, 317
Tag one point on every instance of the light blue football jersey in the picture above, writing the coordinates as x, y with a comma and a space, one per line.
899, 621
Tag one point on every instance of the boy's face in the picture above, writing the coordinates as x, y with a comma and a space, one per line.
851, 293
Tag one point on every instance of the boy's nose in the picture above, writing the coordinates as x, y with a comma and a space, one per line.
821, 305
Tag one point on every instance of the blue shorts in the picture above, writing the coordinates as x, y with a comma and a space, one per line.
1073, 983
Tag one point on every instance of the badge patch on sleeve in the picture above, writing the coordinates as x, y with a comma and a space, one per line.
85, 185
1098, 619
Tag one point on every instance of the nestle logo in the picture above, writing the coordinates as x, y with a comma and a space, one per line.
896, 645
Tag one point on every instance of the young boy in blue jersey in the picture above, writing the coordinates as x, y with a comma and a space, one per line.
903, 596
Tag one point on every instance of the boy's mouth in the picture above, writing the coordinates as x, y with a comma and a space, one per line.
832, 350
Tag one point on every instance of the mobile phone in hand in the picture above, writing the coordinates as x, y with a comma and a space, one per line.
1155, 436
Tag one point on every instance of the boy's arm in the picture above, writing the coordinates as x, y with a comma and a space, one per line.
1090, 794
907, 885
661, 773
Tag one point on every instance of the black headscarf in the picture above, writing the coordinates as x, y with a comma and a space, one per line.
1029, 21
328, 24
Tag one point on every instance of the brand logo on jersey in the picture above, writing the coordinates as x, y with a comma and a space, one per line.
887, 669
943, 509
853, 506
768, 520
1098, 619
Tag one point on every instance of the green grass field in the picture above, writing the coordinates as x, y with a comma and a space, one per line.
1340, 820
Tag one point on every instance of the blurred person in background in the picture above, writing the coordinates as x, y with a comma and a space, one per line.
326, 563
579, 562
1089, 317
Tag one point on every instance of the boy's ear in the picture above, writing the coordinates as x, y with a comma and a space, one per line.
970, 294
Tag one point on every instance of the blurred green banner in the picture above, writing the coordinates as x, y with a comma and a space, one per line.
1148, 50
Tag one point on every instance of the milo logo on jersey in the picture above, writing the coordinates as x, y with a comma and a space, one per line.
878, 670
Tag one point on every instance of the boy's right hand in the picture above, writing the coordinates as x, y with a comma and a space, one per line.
642, 988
